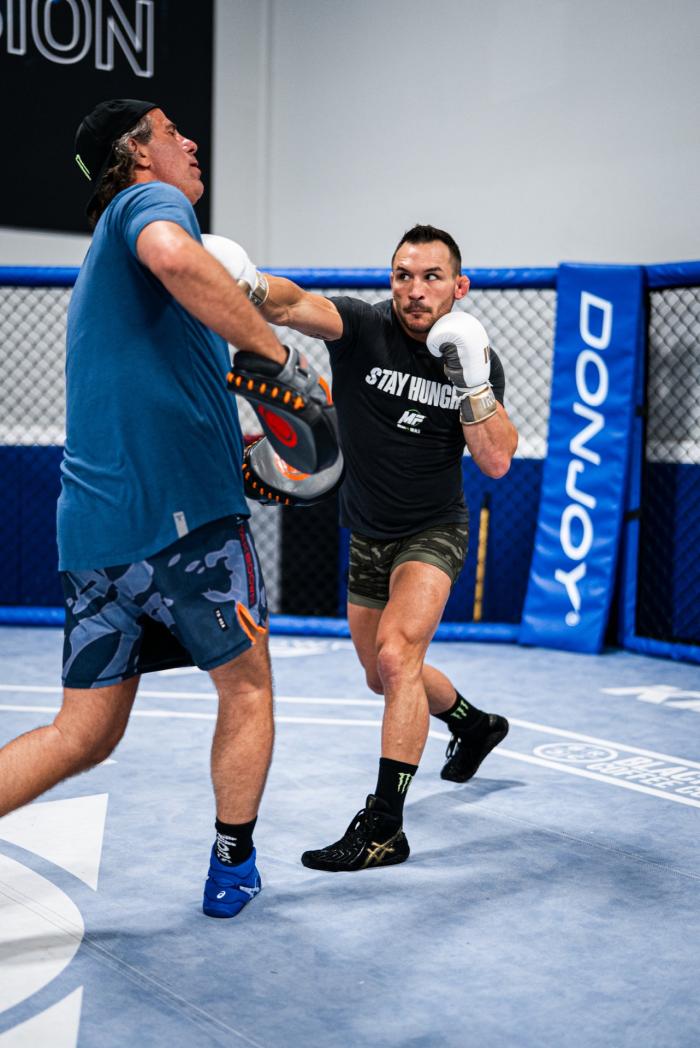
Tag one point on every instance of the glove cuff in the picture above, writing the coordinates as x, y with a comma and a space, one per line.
477, 405
257, 294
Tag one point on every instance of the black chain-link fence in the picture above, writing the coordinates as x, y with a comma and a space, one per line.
304, 553
668, 585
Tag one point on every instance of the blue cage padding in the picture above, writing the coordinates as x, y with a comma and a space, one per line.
296, 626
596, 349
674, 543
29, 590
673, 274
49, 276
29, 487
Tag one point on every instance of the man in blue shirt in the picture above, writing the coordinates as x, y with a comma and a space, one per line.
157, 562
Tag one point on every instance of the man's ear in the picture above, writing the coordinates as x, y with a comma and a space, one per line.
135, 148
461, 287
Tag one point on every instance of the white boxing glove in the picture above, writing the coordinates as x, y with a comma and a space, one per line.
235, 259
462, 343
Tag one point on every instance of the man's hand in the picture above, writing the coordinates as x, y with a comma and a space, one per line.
269, 479
282, 302
462, 343
235, 259
293, 405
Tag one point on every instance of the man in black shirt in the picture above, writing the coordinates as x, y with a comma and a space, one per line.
403, 429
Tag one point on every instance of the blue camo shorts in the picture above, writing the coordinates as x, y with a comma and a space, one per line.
200, 601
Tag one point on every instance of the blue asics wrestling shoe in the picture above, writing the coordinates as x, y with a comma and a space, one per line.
229, 888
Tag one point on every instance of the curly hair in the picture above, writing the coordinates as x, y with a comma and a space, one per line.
120, 171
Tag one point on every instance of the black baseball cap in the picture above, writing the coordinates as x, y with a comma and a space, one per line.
99, 131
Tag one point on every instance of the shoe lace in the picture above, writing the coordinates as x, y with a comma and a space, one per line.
363, 823
354, 837
452, 746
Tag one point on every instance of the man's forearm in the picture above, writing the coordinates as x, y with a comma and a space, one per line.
492, 443
289, 305
205, 289
210, 295
283, 295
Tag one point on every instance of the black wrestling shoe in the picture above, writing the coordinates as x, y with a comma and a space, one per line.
373, 838
466, 752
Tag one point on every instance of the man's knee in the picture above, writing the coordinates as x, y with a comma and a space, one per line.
369, 665
374, 681
398, 659
87, 749
247, 677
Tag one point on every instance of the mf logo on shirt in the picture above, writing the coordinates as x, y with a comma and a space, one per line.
411, 420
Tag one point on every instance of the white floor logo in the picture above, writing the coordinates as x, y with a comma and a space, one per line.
661, 695
575, 753
40, 927
677, 778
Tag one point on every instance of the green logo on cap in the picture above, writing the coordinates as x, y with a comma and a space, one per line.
82, 166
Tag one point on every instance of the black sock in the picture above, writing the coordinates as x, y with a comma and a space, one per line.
234, 843
393, 782
461, 717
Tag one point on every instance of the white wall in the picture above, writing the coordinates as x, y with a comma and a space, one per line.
19, 248
534, 130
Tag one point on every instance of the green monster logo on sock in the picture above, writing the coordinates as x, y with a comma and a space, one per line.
462, 710
404, 781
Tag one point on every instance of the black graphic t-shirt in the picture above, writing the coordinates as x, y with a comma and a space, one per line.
399, 426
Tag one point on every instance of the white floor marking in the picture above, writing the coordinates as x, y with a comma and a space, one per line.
40, 932
280, 648
30, 709
600, 742
40, 689
584, 773
299, 700
57, 1026
178, 671
330, 720
658, 694
199, 696
678, 779
677, 765
186, 715
48, 828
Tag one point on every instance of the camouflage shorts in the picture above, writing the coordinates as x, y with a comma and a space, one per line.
201, 601
373, 560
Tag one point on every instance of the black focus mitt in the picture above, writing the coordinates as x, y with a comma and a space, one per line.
293, 405
268, 479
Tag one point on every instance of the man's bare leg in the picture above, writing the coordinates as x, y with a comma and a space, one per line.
86, 729
243, 739
364, 623
400, 634
475, 733
240, 758
417, 597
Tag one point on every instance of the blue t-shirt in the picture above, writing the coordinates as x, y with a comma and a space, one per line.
153, 442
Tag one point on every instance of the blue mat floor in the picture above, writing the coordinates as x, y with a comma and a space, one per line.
551, 901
